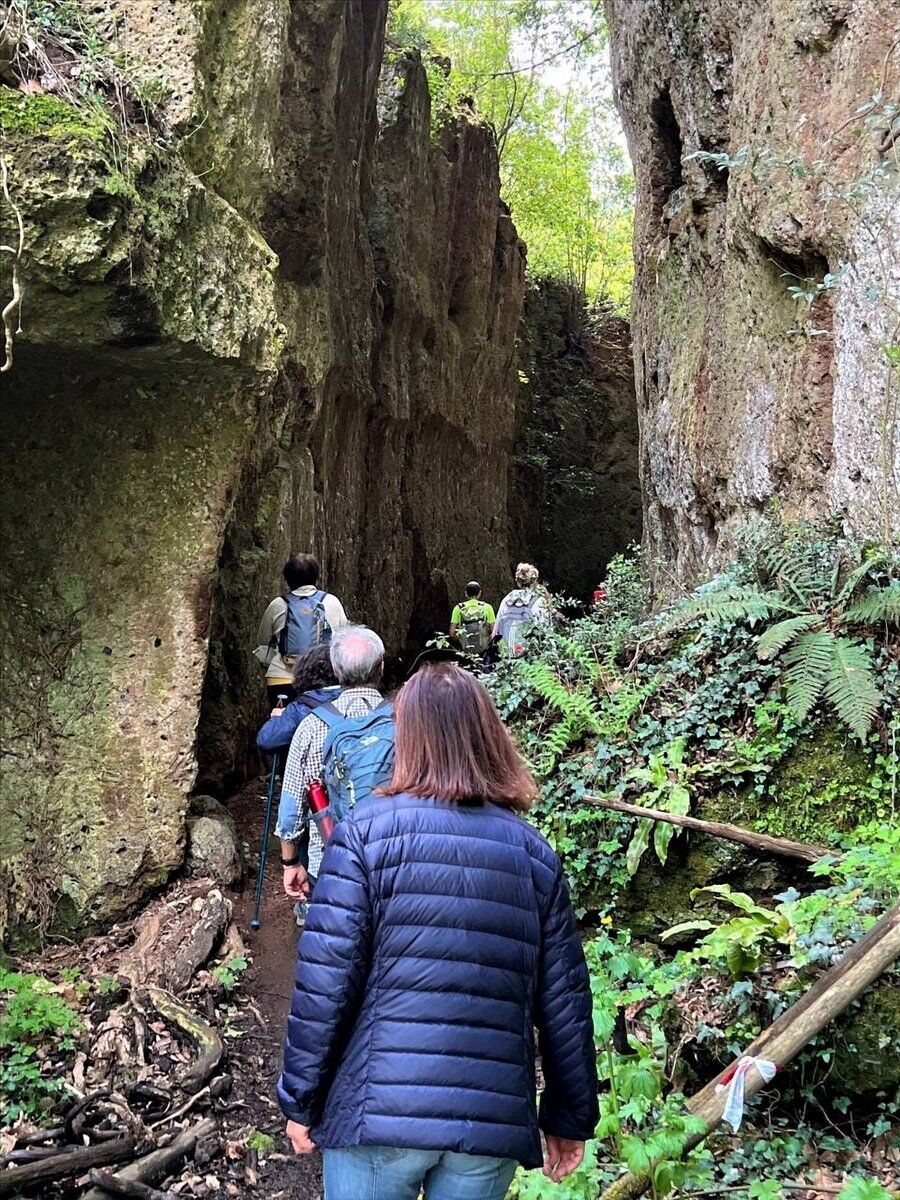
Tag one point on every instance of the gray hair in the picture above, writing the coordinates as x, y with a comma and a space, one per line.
357, 655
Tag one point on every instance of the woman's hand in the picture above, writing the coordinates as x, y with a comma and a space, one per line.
298, 1135
296, 882
561, 1156
277, 712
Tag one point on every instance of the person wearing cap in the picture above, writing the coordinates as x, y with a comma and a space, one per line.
472, 621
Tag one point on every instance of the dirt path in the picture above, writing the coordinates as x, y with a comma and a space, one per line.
268, 983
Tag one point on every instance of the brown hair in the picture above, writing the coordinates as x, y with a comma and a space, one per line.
452, 744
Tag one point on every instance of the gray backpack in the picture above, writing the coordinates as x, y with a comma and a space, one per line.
517, 612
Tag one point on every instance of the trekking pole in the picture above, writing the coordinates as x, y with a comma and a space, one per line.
264, 844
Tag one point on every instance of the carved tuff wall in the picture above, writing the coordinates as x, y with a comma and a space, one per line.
290, 323
748, 394
576, 492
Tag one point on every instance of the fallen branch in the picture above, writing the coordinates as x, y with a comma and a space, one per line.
720, 829
59, 1166
210, 1046
786, 1037
186, 1107
158, 1164
115, 1185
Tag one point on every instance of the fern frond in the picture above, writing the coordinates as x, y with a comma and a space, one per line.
776, 637
856, 576
807, 663
850, 686
883, 604
737, 602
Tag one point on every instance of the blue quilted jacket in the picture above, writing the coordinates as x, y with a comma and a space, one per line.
439, 937
278, 732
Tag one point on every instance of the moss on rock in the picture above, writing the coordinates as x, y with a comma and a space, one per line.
820, 787
39, 115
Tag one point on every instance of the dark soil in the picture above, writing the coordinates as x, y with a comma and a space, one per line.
268, 983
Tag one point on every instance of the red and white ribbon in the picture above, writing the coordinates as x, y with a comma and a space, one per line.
734, 1081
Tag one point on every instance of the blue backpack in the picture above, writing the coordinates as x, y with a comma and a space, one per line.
358, 755
305, 625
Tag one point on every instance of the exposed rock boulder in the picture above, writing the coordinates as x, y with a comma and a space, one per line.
749, 392
264, 327
576, 498
213, 848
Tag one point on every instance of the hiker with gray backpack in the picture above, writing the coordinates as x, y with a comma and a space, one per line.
300, 619
346, 745
521, 609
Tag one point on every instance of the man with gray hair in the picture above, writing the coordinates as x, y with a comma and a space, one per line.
357, 656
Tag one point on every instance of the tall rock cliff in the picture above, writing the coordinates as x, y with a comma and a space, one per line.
576, 497
767, 249
279, 319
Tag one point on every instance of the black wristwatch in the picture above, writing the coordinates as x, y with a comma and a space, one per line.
291, 862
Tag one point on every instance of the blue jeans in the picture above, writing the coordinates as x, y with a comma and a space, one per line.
389, 1173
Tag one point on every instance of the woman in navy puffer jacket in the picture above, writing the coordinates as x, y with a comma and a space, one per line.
440, 935
315, 685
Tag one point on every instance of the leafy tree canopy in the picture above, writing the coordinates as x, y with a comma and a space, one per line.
538, 71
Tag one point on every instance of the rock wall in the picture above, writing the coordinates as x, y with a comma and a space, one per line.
576, 497
283, 321
746, 394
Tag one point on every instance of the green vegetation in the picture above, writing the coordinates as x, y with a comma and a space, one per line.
536, 70
47, 116
229, 973
691, 708
262, 1143
34, 1017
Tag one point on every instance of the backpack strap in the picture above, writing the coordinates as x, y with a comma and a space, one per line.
330, 714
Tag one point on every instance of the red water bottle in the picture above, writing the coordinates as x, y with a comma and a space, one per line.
317, 798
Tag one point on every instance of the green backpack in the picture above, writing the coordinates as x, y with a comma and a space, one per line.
475, 630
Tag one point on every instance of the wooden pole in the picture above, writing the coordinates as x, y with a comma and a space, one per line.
794, 1029
720, 829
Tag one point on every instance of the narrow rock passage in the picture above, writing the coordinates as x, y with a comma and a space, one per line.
273, 952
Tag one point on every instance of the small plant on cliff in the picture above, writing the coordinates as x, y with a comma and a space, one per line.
813, 595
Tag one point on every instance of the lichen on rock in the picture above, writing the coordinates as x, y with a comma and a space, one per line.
269, 324
766, 247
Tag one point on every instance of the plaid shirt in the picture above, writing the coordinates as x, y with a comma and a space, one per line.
304, 763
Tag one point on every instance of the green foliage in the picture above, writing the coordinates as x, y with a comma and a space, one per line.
47, 116
864, 1189
25, 1091
741, 943
536, 71
229, 973
680, 706
817, 600
32, 1010
664, 783
262, 1143
34, 1017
